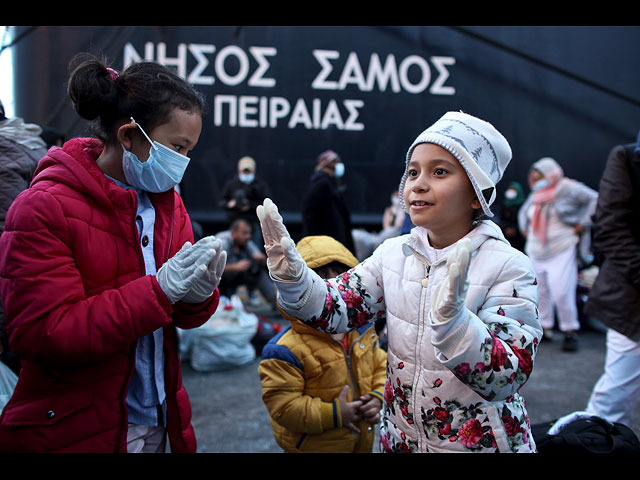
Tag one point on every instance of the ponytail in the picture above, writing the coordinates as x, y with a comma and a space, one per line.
147, 91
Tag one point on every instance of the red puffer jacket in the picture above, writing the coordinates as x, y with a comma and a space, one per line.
77, 300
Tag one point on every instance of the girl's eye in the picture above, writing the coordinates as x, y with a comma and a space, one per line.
412, 173
178, 148
439, 172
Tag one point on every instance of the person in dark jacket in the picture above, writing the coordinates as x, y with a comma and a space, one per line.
615, 296
242, 194
324, 210
97, 269
21, 148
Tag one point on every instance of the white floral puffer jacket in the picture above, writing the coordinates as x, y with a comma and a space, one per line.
453, 386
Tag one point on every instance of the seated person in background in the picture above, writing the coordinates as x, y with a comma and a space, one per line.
392, 223
246, 264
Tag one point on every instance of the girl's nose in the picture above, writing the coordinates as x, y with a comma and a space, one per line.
420, 184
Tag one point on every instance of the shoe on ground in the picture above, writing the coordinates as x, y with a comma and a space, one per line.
547, 334
254, 299
570, 342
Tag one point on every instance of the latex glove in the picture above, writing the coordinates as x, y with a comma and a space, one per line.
206, 285
449, 295
283, 260
178, 274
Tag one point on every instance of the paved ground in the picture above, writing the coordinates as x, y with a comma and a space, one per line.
229, 416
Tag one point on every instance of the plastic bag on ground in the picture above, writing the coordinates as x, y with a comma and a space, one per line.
224, 341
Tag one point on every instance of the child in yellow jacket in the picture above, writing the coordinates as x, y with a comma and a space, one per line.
324, 391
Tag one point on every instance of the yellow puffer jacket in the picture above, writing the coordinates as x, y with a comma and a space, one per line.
303, 371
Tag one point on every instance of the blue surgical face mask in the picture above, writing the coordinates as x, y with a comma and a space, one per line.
162, 171
246, 177
540, 184
339, 169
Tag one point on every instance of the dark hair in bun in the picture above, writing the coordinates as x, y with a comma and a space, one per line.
146, 91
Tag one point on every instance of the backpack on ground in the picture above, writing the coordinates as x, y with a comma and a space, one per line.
584, 436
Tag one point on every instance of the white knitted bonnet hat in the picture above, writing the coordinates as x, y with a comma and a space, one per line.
481, 150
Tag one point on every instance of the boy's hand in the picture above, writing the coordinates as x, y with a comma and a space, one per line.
449, 295
350, 411
370, 409
283, 260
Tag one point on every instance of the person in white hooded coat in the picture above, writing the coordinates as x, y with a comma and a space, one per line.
555, 220
459, 301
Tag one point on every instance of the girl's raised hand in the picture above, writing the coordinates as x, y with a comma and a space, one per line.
449, 295
283, 260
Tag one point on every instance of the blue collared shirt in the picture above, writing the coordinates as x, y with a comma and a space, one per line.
146, 394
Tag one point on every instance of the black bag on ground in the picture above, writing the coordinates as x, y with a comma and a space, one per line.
584, 436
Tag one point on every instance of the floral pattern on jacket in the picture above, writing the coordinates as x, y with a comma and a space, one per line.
496, 359
452, 421
353, 298
451, 386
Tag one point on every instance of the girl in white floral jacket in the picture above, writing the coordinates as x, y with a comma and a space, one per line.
460, 302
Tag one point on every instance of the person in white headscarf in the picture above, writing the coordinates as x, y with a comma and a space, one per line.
556, 221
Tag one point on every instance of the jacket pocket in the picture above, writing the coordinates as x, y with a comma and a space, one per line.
47, 411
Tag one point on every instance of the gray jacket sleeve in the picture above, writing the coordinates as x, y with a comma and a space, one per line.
576, 204
17, 166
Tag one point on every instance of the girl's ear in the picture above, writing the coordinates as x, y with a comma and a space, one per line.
475, 204
125, 134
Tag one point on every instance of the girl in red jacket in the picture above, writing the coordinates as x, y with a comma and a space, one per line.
97, 268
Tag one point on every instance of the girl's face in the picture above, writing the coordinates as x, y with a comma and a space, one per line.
180, 133
439, 195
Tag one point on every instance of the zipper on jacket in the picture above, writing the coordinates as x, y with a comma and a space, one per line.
355, 388
302, 437
347, 356
425, 280
422, 331
125, 415
173, 213
143, 270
